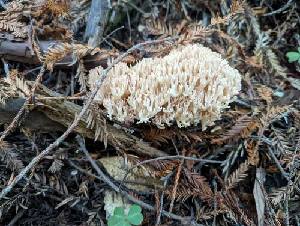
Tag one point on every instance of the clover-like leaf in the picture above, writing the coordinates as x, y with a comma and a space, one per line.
118, 218
293, 56
135, 216
117, 221
119, 211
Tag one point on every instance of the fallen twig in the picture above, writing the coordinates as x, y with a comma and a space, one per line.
170, 158
284, 174
284, 7
161, 202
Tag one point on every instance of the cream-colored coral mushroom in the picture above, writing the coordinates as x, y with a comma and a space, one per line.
191, 85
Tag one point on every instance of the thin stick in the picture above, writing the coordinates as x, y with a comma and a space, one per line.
284, 7
169, 158
174, 190
160, 209
62, 98
77, 119
177, 157
118, 190
284, 174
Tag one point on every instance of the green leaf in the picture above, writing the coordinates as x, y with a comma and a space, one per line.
293, 56
119, 211
117, 221
135, 216
118, 218
299, 49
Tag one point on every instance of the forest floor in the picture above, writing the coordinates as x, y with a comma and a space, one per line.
64, 162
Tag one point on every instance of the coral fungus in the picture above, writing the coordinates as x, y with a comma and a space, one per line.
190, 85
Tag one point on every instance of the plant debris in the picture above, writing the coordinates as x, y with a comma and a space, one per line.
82, 142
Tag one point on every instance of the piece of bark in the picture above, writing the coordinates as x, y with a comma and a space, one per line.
96, 22
35, 120
53, 114
20, 52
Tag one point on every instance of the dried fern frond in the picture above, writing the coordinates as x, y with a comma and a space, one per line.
194, 31
58, 7
21, 84
238, 175
97, 121
53, 8
18, 29
58, 163
13, 86
296, 116
272, 114
236, 8
10, 157
7, 91
82, 76
260, 45
265, 93
205, 213
158, 136
242, 128
185, 192
274, 63
252, 151
197, 187
56, 166
262, 50
281, 143
158, 27
200, 182
162, 168
12, 7
56, 54
277, 195
10, 20
16, 82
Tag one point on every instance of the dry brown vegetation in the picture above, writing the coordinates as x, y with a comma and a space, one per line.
60, 154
